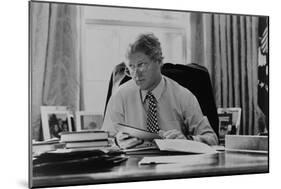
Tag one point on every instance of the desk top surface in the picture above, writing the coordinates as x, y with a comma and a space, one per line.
223, 163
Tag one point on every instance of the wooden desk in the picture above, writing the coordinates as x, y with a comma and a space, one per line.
224, 163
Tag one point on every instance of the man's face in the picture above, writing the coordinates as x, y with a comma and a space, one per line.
144, 71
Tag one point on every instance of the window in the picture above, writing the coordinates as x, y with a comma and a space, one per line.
105, 42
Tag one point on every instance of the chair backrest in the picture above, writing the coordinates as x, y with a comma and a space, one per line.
193, 77
236, 116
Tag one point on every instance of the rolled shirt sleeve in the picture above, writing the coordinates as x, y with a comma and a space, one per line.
197, 124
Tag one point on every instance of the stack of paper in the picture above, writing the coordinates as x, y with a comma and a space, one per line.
44, 146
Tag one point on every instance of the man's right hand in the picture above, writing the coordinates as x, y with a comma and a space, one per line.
125, 141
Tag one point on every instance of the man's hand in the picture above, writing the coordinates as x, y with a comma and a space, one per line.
125, 141
171, 134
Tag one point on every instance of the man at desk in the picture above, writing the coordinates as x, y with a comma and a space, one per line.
153, 102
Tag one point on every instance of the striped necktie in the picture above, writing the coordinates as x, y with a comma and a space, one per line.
152, 123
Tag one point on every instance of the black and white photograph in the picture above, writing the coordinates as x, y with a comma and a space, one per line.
234, 118
88, 120
225, 126
55, 119
157, 94
57, 123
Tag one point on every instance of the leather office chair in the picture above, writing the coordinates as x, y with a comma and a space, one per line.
192, 76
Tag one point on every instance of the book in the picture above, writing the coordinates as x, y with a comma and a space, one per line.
44, 146
85, 144
83, 136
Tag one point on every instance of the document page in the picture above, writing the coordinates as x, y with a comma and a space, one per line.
180, 145
136, 132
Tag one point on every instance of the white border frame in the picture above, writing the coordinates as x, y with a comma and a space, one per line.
46, 110
78, 116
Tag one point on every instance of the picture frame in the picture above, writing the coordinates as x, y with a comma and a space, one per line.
225, 126
235, 114
55, 119
86, 120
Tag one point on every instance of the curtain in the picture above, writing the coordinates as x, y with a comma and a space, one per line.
230, 52
55, 59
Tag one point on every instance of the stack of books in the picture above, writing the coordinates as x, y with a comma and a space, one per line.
44, 146
84, 139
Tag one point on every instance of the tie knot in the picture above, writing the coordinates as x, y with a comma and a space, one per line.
150, 96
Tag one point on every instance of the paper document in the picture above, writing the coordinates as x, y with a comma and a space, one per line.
136, 132
146, 145
180, 159
180, 145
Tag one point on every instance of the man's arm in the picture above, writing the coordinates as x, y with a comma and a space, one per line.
115, 114
198, 126
203, 132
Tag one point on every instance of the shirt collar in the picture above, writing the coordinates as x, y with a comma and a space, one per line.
157, 91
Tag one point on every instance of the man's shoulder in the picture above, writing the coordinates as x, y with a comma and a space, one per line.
180, 94
126, 88
175, 87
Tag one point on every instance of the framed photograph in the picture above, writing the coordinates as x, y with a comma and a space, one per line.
235, 117
55, 119
101, 61
88, 120
225, 126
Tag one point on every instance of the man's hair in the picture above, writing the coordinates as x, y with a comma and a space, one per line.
149, 45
